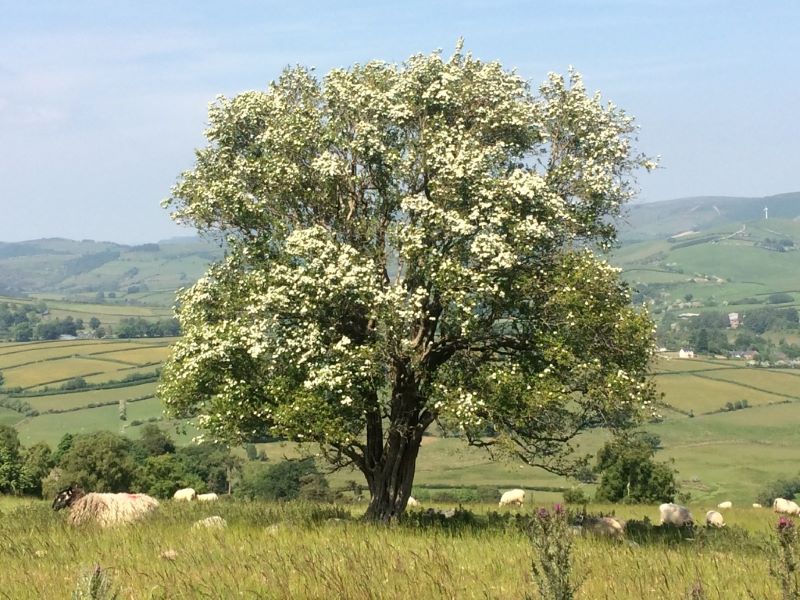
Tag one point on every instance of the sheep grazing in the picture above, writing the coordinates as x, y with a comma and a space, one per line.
674, 514
726, 504
104, 509
714, 519
605, 526
786, 507
210, 497
184, 495
516, 496
215, 522
412, 502
756, 505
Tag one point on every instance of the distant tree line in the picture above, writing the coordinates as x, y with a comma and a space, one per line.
28, 322
104, 461
138, 327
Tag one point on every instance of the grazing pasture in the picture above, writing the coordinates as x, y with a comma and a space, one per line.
298, 550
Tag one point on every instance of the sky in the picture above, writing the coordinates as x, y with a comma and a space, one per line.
103, 103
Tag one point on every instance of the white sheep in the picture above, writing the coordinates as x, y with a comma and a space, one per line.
184, 495
674, 514
756, 505
209, 497
714, 519
215, 522
726, 504
412, 502
104, 509
606, 526
787, 507
515, 496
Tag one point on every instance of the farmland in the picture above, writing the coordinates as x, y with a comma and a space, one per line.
718, 454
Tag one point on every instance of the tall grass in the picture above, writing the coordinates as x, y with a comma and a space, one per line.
300, 550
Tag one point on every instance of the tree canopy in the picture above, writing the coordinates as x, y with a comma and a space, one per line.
408, 244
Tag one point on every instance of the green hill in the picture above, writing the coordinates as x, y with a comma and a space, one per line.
659, 220
88, 270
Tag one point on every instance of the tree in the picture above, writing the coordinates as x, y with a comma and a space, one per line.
629, 473
407, 244
100, 462
162, 475
155, 441
11, 472
37, 463
64, 444
701, 341
280, 481
94, 323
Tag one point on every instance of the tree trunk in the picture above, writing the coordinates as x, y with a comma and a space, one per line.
390, 484
391, 463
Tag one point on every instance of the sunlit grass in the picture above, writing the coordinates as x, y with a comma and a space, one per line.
305, 551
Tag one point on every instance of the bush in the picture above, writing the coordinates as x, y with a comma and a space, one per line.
630, 475
780, 488
780, 298
575, 496
280, 481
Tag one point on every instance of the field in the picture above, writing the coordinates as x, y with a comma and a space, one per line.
297, 550
719, 455
40, 368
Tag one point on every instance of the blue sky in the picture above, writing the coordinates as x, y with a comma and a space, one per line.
103, 103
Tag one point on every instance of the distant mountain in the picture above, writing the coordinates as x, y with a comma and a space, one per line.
84, 270
659, 220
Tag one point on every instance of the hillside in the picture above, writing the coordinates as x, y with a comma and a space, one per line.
88, 270
660, 220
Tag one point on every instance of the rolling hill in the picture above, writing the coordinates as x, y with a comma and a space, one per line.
87, 270
720, 252
660, 220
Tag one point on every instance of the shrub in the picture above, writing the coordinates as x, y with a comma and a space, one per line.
575, 495
279, 481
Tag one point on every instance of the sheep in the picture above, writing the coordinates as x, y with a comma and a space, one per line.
412, 502
606, 526
787, 507
674, 514
184, 495
215, 522
756, 505
515, 496
714, 519
104, 509
726, 504
210, 497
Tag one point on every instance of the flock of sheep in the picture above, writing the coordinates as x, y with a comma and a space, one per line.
113, 509
107, 510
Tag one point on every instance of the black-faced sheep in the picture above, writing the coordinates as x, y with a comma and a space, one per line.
104, 509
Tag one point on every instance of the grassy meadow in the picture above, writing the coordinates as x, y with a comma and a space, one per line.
298, 550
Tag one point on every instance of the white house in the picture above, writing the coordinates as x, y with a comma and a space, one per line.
685, 353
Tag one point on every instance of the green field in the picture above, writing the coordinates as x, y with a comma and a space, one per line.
295, 550
719, 456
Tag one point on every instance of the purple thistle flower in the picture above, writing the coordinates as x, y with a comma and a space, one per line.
785, 524
542, 513
558, 509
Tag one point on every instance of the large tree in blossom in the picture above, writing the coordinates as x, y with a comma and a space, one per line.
409, 244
